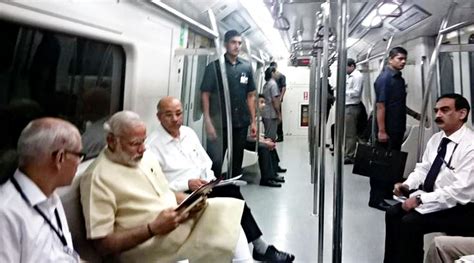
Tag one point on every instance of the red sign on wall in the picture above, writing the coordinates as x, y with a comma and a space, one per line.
305, 95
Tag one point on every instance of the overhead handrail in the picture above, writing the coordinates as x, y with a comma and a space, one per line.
225, 86
429, 78
456, 27
342, 32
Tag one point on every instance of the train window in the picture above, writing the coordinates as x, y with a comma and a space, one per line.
446, 67
45, 73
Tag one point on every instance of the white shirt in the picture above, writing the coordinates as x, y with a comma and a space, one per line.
25, 235
354, 85
181, 159
452, 186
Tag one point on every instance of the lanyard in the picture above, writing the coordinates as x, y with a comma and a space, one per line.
59, 232
448, 164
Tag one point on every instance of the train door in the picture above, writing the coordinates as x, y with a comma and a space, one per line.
456, 63
193, 69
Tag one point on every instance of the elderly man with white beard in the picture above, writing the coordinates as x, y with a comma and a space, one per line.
130, 211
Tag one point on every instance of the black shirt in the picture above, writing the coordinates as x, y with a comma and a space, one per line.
390, 89
241, 82
281, 81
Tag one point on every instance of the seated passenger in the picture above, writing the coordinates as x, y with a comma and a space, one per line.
33, 224
448, 249
446, 177
187, 166
129, 209
267, 156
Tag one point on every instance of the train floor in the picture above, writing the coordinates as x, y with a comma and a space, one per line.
285, 214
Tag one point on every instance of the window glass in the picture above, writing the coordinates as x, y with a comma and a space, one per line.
45, 73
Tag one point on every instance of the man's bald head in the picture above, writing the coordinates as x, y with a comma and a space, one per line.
170, 114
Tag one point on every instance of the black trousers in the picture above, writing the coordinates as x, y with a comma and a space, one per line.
383, 189
265, 160
248, 223
405, 230
280, 128
216, 150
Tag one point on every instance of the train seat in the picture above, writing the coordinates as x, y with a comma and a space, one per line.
248, 164
70, 197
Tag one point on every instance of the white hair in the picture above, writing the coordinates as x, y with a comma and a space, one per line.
120, 121
41, 137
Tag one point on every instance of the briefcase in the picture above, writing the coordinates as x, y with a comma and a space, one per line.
385, 164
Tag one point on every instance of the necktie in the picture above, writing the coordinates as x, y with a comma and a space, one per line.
436, 166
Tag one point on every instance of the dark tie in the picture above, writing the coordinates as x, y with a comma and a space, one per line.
436, 166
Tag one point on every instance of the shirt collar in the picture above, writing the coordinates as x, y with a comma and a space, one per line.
393, 72
228, 61
166, 137
457, 135
29, 188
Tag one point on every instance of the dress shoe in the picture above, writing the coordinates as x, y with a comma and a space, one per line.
270, 183
273, 255
279, 179
281, 170
382, 205
279, 139
348, 161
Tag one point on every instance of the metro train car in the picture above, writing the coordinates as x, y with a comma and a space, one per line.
83, 61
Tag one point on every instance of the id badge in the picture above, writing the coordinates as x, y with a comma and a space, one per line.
244, 79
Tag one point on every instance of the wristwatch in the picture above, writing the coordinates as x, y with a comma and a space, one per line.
418, 200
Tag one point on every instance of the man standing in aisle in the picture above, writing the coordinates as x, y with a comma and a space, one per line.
242, 96
281, 82
391, 118
446, 179
354, 85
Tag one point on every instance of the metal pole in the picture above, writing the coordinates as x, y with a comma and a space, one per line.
316, 132
429, 78
322, 128
342, 28
311, 127
374, 112
423, 88
225, 86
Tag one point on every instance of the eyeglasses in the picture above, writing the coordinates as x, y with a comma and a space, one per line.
79, 155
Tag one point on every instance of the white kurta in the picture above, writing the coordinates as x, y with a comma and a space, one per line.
116, 197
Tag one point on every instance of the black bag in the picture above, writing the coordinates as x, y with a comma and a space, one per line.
386, 165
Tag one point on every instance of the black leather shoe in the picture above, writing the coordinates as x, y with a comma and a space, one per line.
273, 255
270, 183
279, 139
383, 206
279, 179
281, 170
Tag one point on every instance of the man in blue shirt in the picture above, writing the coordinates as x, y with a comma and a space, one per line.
391, 111
242, 102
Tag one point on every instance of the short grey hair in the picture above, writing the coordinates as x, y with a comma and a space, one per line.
41, 137
120, 121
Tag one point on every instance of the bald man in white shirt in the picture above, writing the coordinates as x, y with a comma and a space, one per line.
446, 177
187, 166
33, 225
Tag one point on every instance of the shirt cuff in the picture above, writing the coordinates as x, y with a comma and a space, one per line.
428, 197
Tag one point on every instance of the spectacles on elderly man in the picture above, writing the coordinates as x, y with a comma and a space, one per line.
80, 155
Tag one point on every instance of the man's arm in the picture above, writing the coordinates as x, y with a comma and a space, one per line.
251, 106
382, 134
117, 242
283, 86
211, 131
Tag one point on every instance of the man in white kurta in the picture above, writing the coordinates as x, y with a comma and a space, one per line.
118, 198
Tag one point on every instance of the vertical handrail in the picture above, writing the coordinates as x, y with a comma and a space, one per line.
367, 66
429, 79
257, 106
250, 58
225, 85
316, 131
312, 125
322, 128
374, 112
423, 88
342, 28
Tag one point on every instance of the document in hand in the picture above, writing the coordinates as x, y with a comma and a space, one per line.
195, 197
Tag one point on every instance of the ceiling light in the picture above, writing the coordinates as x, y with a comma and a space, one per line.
372, 20
387, 9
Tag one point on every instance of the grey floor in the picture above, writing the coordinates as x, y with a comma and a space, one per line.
286, 219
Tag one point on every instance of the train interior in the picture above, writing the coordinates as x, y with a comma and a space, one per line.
84, 60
